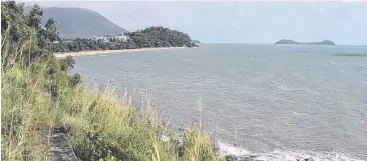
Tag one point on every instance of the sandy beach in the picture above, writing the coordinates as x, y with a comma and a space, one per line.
95, 52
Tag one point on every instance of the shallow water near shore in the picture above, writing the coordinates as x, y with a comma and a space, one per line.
275, 102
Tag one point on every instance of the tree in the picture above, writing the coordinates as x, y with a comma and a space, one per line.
12, 18
75, 80
46, 34
52, 32
67, 63
35, 16
24, 42
5, 19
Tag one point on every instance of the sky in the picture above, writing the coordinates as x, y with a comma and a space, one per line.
342, 22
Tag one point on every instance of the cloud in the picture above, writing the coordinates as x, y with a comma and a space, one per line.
229, 4
345, 1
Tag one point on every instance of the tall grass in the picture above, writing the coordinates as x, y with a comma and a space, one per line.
26, 113
101, 125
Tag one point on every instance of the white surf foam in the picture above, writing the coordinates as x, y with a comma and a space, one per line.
292, 155
283, 155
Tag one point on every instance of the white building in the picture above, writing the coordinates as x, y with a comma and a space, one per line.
106, 38
100, 38
122, 38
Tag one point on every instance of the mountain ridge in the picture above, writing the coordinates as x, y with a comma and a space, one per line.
81, 22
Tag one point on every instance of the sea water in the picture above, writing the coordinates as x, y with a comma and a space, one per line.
271, 102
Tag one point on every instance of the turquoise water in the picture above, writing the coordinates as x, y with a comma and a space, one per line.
278, 102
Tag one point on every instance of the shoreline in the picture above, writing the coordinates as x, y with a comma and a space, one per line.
96, 52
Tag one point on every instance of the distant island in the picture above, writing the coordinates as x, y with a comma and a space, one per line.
196, 41
285, 41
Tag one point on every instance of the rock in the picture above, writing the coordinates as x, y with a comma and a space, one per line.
248, 158
60, 145
60, 130
309, 159
231, 158
61, 148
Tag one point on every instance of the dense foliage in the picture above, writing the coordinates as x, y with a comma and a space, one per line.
85, 44
160, 37
38, 95
25, 40
153, 37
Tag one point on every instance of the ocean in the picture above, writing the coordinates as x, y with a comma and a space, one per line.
271, 102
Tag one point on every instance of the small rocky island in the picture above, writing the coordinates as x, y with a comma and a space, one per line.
285, 41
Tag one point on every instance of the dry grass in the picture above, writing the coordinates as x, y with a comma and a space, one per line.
101, 125
28, 112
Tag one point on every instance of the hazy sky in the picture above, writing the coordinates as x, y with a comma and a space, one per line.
240, 22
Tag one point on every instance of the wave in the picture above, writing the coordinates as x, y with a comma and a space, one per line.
281, 155
302, 51
352, 55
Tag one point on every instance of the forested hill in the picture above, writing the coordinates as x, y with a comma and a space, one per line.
153, 37
80, 22
160, 37
82, 29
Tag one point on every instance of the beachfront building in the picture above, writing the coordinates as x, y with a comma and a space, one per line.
112, 38
103, 38
122, 38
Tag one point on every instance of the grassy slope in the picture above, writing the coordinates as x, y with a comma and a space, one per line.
38, 95
101, 125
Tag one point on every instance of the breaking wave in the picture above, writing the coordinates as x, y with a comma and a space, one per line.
282, 155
